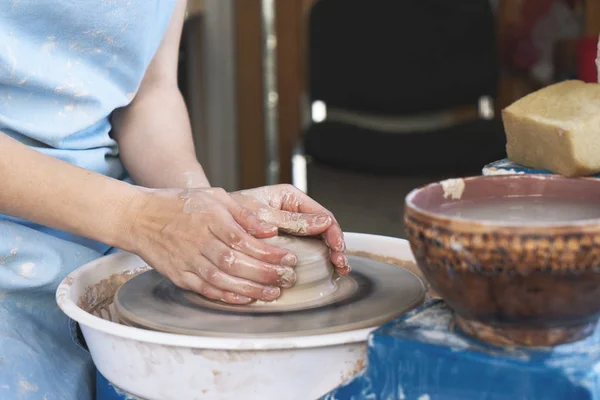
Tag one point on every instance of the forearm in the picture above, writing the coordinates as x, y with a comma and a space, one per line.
50, 192
155, 139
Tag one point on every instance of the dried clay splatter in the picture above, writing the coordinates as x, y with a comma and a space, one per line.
26, 386
9, 257
27, 270
453, 188
99, 297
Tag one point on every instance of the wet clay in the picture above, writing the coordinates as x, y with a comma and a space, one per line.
316, 283
407, 265
314, 273
98, 298
524, 209
320, 302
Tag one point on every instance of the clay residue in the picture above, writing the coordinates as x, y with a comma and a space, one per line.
26, 386
121, 393
410, 266
495, 171
226, 356
27, 270
453, 188
99, 297
356, 367
9, 257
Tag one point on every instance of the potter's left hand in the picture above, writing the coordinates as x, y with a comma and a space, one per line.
293, 212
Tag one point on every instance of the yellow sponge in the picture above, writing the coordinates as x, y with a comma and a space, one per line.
556, 128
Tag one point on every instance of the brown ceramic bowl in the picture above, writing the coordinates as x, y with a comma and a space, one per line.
516, 257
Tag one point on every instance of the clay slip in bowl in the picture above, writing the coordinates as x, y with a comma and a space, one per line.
511, 282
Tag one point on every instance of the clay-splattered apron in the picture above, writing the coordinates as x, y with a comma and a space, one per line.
64, 67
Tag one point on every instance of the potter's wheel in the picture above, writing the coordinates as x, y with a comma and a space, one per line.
319, 303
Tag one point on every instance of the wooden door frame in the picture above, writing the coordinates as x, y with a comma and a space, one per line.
291, 83
226, 88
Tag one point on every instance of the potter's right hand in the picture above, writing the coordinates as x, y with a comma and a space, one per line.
205, 242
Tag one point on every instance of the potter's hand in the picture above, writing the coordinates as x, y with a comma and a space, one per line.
204, 241
294, 212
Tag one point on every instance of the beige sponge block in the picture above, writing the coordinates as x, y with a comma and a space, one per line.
556, 128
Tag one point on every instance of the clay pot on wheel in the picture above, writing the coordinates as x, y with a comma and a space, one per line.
301, 353
516, 257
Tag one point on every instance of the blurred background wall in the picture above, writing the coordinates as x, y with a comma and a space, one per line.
359, 101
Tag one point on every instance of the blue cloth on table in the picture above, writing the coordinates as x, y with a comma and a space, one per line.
506, 166
420, 356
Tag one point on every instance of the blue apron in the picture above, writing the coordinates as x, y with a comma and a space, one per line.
65, 66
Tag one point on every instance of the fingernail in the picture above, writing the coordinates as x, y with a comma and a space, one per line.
289, 260
271, 293
341, 245
267, 227
287, 277
322, 220
237, 298
345, 268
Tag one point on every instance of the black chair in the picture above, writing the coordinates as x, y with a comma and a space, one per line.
391, 59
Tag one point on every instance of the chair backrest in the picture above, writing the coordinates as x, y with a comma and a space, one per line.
401, 57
